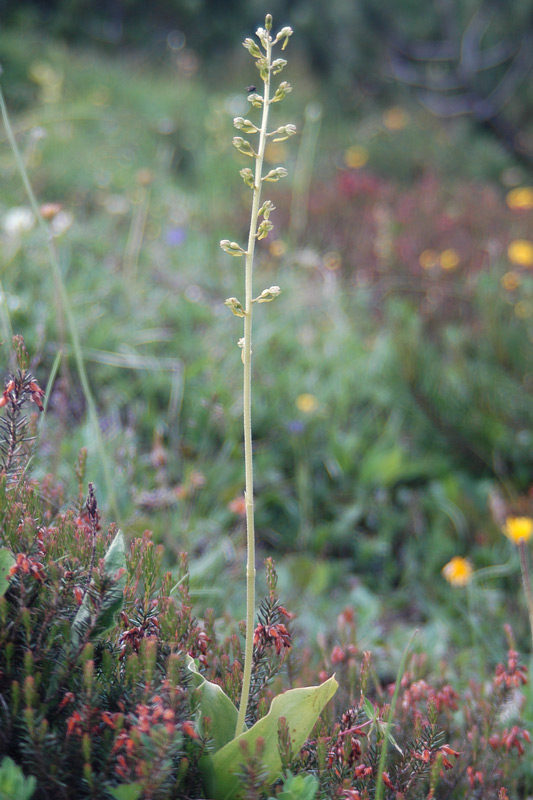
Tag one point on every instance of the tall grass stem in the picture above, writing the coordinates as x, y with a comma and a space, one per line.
526, 581
383, 754
65, 305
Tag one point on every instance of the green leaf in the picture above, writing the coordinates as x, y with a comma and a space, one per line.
370, 711
13, 783
112, 602
216, 705
127, 791
298, 787
6, 562
300, 707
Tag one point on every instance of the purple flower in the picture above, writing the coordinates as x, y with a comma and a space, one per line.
296, 426
176, 236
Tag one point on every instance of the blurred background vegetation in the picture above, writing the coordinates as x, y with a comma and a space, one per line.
393, 377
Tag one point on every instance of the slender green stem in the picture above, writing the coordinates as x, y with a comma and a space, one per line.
247, 410
526, 581
65, 303
383, 753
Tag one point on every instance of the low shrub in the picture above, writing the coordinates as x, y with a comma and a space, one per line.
104, 672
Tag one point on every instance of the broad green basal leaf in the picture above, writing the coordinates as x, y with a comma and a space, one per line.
300, 708
216, 705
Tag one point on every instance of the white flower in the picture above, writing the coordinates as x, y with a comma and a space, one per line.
18, 220
61, 223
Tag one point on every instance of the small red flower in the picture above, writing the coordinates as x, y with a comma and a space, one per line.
512, 675
387, 781
109, 719
37, 395
74, 724
4, 400
278, 635
68, 697
189, 730
474, 777
28, 566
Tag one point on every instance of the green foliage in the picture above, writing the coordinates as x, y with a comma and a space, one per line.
142, 704
216, 706
128, 791
97, 614
6, 562
13, 784
300, 708
298, 787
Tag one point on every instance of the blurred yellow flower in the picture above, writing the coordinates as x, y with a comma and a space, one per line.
517, 528
275, 152
306, 403
520, 252
510, 281
428, 259
395, 118
523, 310
449, 259
356, 156
458, 571
277, 248
332, 260
520, 198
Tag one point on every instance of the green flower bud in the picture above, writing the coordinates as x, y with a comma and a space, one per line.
275, 174
283, 132
283, 89
245, 125
267, 295
256, 100
232, 248
252, 48
268, 22
244, 147
278, 65
264, 229
248, 177
262, 66
235, 306
266, 208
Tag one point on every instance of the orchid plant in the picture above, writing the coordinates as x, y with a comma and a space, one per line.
299, 707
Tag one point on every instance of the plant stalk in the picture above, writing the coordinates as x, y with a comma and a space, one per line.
247, 409
526, 581
66, 307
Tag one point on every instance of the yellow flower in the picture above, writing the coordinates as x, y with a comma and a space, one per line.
520, 252
517, 528
332, 260
356, 156
449, 259
277, 248
428, 259
458, 571
520, 198
523, 310
395, 118
275, 152
306, 403
510, 281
